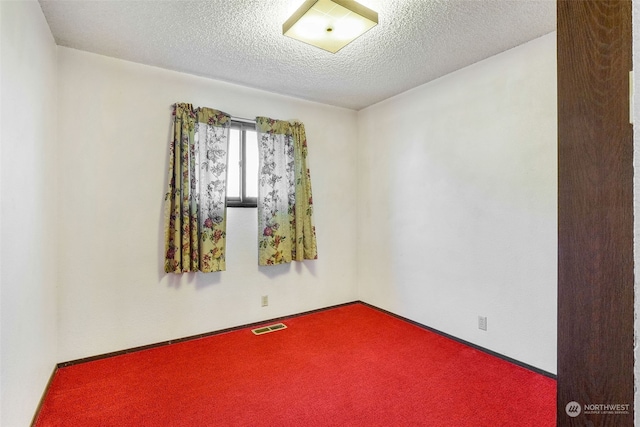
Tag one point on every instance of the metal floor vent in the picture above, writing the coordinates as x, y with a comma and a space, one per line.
270, 328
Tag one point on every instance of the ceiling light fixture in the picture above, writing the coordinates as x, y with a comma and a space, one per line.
329, 24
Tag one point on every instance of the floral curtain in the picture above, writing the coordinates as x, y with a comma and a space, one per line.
285, 203
195, 203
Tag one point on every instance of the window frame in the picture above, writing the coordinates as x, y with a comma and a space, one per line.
243, 201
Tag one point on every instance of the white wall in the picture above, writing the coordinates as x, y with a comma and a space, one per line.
28, 218
457, 203
113, 143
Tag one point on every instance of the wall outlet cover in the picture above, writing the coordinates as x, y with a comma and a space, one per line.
482, 323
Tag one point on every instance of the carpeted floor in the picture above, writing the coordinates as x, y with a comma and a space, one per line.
348, 366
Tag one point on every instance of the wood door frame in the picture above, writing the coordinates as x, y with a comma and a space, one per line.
595, 214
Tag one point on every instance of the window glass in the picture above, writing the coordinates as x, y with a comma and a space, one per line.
251, 164
242, 176
233, 174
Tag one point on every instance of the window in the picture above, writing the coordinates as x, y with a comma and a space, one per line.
242, 178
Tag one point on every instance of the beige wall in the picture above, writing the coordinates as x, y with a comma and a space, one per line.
457, 203
28, 220
113, 144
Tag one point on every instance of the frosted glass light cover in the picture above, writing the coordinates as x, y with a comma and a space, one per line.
329, 24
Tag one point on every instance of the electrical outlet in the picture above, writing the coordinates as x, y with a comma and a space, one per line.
265, 300
482, 323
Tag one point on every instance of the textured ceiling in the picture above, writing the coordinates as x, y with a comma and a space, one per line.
240, 41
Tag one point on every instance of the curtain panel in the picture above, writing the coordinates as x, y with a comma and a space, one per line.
285, 202
195, 202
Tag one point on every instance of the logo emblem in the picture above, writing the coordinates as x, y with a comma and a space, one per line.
573, 409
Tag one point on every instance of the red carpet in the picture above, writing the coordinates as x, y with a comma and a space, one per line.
348, 366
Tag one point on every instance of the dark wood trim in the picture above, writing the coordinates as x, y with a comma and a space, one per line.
44, 395
595, 212
284, 318
467, 343
198, 336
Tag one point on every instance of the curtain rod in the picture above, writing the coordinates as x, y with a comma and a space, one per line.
242, 119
